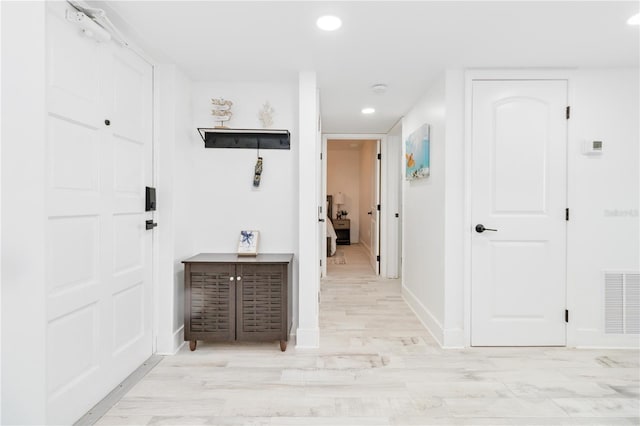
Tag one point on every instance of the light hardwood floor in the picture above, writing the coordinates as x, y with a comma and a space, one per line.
377, 365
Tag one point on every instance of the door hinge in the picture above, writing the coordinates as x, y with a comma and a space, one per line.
378, 258
566, 315
378, 207
566, 213
568, 113
320, 262
379, 156
321, 156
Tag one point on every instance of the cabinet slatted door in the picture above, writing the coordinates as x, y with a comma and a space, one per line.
211, 296
261, 301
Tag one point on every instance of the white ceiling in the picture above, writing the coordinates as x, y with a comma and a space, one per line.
403, 44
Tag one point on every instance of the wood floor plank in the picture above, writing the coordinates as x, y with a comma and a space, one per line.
377, 365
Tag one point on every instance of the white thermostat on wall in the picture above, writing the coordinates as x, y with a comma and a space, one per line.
592, 147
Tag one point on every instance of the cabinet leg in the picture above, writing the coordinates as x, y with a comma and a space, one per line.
283, 345
193, 344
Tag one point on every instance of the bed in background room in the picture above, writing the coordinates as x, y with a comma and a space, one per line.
331, 232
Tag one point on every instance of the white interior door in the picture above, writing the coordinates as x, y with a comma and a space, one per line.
519, 137
392, 161
98, 251
325, 214
375, 217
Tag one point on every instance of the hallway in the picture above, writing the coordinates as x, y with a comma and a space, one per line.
377, 365
349, 261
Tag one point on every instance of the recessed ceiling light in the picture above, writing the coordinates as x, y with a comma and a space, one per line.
634, 20
379, 88
368, 110
329, 23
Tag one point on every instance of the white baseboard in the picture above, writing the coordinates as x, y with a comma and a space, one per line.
592, 338
370, 254
453, 338
307, 338
178, 339
174, 342
432, 325
366, 247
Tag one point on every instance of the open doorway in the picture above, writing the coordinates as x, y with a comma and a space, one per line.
353, 199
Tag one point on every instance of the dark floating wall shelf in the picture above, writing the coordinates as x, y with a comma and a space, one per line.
245, 138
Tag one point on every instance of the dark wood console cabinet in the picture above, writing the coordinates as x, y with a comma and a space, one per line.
229, 297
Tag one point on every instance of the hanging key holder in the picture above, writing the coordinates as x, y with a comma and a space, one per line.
258, 169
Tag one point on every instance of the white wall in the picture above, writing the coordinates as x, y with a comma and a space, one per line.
187, 147
176, 150
225, 200
343, 175
424, 216
604, 106
603, 192
23, 214
457, 227
0, 235
604, 232
309, 229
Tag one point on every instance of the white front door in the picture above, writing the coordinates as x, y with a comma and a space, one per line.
98, 251
519, 144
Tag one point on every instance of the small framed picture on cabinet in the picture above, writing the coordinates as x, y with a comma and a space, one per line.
248, 244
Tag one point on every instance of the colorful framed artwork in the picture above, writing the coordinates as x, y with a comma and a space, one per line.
248, 244
417, 154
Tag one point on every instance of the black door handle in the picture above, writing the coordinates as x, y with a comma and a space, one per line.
150, 224
369, 213
320, 220
480, 228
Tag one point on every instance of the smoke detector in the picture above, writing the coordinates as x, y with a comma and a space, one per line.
379, 88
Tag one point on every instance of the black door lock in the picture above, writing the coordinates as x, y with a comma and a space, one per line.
150, 224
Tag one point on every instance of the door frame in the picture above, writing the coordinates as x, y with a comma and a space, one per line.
382, 177
470, 76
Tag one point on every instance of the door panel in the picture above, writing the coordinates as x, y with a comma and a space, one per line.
98, 252
74, 86
210, 302
129, 96
515, 280
74, 167
128, 314
519, 188
128, 238
72, 333
72, 253
260, 302
520, 158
